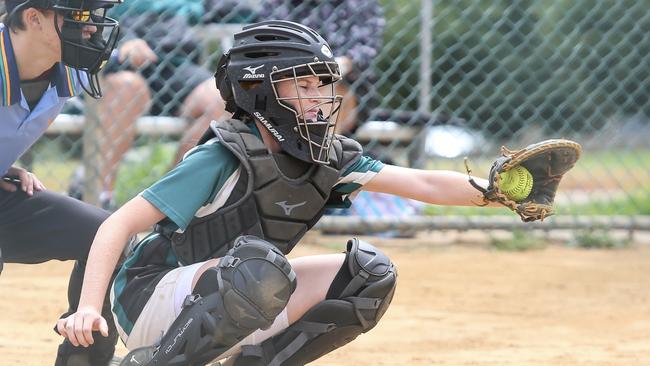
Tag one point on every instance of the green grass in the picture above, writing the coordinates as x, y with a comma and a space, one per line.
629, 167
634, 203
433, 210
630, 158
593, 238
520, 241
145, 165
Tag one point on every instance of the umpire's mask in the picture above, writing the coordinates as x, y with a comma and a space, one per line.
87, 55
84, 54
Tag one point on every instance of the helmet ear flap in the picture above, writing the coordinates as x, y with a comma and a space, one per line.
223, 83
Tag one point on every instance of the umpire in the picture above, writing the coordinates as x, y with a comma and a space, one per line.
50, 50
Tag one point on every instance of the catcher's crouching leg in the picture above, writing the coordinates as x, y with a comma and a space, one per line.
358, 297
249, 287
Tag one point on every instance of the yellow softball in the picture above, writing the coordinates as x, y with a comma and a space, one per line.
516, 183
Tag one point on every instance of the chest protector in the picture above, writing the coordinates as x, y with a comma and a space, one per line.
282, 197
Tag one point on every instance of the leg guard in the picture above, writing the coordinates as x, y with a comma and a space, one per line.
371, 280
251, 285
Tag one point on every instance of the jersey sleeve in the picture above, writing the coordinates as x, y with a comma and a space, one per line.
352, 180
192, 183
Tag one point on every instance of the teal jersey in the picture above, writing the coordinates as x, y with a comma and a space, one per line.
195, 187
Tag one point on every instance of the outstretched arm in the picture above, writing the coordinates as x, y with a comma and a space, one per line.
438, 187
135, 216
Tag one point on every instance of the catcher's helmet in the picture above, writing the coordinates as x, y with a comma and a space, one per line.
267, 53
84, 55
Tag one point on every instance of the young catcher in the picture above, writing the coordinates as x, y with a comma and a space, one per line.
212, 280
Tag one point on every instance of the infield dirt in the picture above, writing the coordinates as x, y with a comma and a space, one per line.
456, 304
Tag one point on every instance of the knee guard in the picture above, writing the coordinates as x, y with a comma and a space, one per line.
358, 298
250, 286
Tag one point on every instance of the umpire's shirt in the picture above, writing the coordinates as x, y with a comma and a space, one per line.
20, 124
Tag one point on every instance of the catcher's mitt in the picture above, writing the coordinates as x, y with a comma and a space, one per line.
547, 162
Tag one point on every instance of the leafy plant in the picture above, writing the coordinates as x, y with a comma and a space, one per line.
141, 168
596, 238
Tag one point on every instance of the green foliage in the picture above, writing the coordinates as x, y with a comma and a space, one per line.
520, 241
633, 203
399, 58
434, 210
596, 238
141, 168
505, 65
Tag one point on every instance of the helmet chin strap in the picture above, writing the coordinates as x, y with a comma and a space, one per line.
93, 88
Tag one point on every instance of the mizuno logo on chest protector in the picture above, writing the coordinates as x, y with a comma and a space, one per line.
288, 207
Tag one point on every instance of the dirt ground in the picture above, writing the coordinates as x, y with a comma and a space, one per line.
456, 304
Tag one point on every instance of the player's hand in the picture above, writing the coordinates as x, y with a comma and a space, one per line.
78, 328
137, 52
28, 181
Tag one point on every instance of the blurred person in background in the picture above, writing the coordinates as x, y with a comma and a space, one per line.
51, 51
354, 29
156, 70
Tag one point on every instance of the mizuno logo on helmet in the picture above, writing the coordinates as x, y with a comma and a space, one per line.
268, 125
288, 208
253, 72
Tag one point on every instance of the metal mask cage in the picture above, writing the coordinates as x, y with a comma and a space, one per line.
95, 50
319, 132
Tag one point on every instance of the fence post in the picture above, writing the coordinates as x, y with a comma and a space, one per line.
92, 157
426, 55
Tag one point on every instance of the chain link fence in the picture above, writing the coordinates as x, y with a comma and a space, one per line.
428, 82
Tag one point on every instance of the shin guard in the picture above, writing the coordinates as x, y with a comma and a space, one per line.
370, 284
251, 285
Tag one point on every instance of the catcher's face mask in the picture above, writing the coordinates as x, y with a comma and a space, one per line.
268, 54
308, 92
